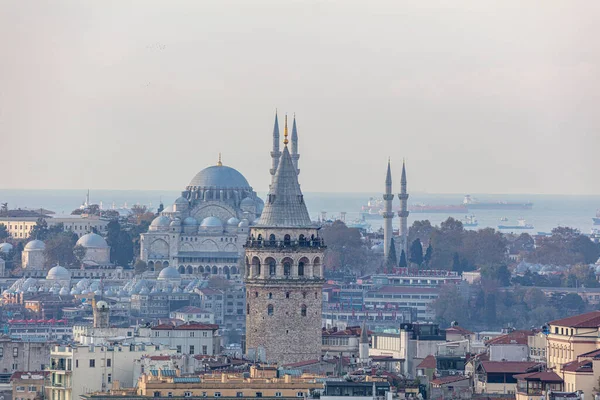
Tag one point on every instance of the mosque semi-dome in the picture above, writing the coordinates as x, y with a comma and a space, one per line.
168, 273
219, 176
5, 247
92, 240
211, 222
35, 245
233, 221
58, 273
247, 202
190, 221
161, 221
181, 200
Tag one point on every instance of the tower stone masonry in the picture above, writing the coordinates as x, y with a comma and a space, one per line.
284, 274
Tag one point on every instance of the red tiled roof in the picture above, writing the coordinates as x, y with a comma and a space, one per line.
428, 362
514, 367
587, 320
302, 363
448, 379
515, 337
590, 354
579, 366
458, 329
543, 376
186, 327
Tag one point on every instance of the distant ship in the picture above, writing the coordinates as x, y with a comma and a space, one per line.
520, 225
470, 221
426, 208
597, 218
503, 219
359, 224
372, 210
472, 204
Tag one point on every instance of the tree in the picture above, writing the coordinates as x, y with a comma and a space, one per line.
40, 230
428, 254
3, 232
450, 305
59, 249
346, 249
416, 252
420, 230
566, 246
140, 267
403, 263
141, 213
392, 260
573, 302
79, 252
456, 266
121, 245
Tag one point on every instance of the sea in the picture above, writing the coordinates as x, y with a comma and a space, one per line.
548, 211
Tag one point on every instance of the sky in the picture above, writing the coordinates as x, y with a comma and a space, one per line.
476, 96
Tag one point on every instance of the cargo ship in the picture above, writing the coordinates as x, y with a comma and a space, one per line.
446, 209
470, 221
372, 210
520, 225
473, 204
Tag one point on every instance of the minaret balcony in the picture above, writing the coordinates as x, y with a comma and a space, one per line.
388, 196
387, 214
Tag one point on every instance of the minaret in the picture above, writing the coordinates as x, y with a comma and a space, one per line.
388, 214
363, 346
275, 154
295, 155
403, 213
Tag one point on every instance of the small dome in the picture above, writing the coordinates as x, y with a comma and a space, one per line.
190, 221
92, 240
64, 291
35, 245
168, 273
211, 222
5, 247
181, 201
58, 273
233, 221
101, 305
175, 222
248, 202
161, 221
243, 223
378, 248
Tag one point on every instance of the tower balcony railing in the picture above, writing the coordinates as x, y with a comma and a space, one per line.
286, 244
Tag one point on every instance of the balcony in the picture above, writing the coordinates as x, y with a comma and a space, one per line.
317, 243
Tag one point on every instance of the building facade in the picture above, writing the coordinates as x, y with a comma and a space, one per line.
284, 276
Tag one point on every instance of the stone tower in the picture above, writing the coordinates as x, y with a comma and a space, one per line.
284, 275
101, 313
388, 214
403, 213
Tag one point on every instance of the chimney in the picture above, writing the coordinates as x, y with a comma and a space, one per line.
224, 378
287, 378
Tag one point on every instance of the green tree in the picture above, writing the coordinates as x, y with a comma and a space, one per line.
121, 245
456, 265
79, 252
428, 254
490, 308
39, 230
420, 230
392, 260
416, 252
450, 305
345, 248
3, 232
403, 263
59, 249
140, 267
573, 302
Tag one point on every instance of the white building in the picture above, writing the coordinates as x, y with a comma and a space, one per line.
32, 257
191, 338
19, 226
76, 370
191, 313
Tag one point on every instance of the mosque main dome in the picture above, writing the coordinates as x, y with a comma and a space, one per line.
219, 176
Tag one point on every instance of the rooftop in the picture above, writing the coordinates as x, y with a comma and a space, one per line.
542, 376
587, 320
514, 367
428, 362
449, 379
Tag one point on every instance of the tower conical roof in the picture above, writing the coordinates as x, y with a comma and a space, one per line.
285, 205
388, 175
403, 178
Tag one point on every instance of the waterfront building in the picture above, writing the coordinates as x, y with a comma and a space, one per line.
20, 223
204, 231
284, 275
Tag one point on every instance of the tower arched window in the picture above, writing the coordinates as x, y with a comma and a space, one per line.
270, 309
301, 268
272, 266
303, 295
270, 295
303, 310
287, 240
248, 308
287, 295
302, 240
287, 269
272, 239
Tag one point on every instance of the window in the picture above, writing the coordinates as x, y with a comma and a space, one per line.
277, 394
299, 394
187, 394
169, 394
32, 389
239, 394
108, 362
109, 378
191, 349
15, 351
156, 394
204, 349
287, 269
270, 295
20, 388
204, 334
300, 269
287, 295
217, 394
258, 394
204, 394
270, 309
178, 349
303, 310
191, 334
92, 363
76, 363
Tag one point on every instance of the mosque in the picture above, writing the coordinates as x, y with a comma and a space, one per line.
204, 231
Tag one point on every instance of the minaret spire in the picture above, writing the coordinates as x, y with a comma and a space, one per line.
285, 133
388, 214
219, 163
275, 154
295, 155
403, 213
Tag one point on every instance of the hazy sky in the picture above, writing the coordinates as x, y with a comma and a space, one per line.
478, 96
